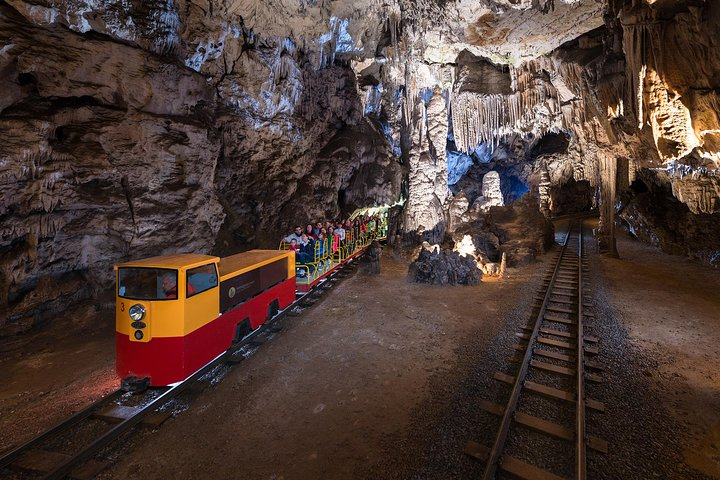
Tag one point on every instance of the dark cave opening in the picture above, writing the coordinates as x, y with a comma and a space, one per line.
26, 79
512, 188
341, 199
552, 142
572, 197
638, 186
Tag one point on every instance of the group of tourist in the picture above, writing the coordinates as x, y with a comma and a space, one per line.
319, 241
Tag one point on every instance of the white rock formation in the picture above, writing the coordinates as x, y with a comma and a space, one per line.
491, 193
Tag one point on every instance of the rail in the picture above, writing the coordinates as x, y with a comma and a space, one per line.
565, 290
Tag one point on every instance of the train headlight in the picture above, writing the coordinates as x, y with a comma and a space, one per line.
137, 312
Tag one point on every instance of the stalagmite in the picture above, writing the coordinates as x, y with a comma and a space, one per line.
544, 190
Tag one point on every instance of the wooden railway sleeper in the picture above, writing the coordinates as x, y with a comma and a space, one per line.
551, 392
541, 425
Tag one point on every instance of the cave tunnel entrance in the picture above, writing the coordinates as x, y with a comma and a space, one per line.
571, 197
551, 143
638, 186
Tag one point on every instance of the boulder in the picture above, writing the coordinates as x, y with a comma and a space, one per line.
522, 230
444, 267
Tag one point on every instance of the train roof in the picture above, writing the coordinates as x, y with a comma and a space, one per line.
177, 260
242, 262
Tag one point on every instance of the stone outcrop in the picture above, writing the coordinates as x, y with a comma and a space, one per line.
444, 267
523, 232
492, 195
651, 213
428, 188
149, 141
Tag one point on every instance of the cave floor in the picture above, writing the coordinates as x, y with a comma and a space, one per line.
669, 307
381, 380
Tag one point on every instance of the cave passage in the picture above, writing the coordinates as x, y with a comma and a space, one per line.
468, 134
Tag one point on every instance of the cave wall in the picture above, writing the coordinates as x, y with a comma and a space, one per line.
139, 128
103, 157
133, 130
636, 97
650, 212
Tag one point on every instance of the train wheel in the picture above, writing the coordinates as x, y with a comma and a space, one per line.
242, 329
134, 385
273, 309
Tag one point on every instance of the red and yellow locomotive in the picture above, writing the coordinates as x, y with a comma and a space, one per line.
176, 313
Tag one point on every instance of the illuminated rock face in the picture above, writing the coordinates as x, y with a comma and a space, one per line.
113, 151
444, 267
140, 128
425, 215
491, 193
673, 69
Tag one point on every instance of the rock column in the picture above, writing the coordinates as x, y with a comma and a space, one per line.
428, 189
544, 191
607, 169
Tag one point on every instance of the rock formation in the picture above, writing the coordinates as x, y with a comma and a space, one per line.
139, 128
438, 266
492, 195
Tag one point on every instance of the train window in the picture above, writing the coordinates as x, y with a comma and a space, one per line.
200, 279
147, 283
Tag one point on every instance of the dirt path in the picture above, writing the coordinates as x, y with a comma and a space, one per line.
670, 307
50, 374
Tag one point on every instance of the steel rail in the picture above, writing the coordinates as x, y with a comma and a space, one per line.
11, 456
126, 425
497, 449
105, 439
580, 458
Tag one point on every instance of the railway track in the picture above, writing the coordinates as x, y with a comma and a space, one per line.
554, 362
48, 455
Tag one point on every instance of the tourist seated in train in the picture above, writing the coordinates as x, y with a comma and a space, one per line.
350, 237
306, 253
361, 227
371, 225
293, 245
310, 231
317, 229
339, 231
298, 230
334, 242
321, 245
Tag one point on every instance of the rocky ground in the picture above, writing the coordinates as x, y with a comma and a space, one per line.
381, 380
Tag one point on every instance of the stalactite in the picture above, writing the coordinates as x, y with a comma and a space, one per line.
483, 118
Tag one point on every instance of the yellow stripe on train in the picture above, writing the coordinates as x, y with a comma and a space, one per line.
197, 298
